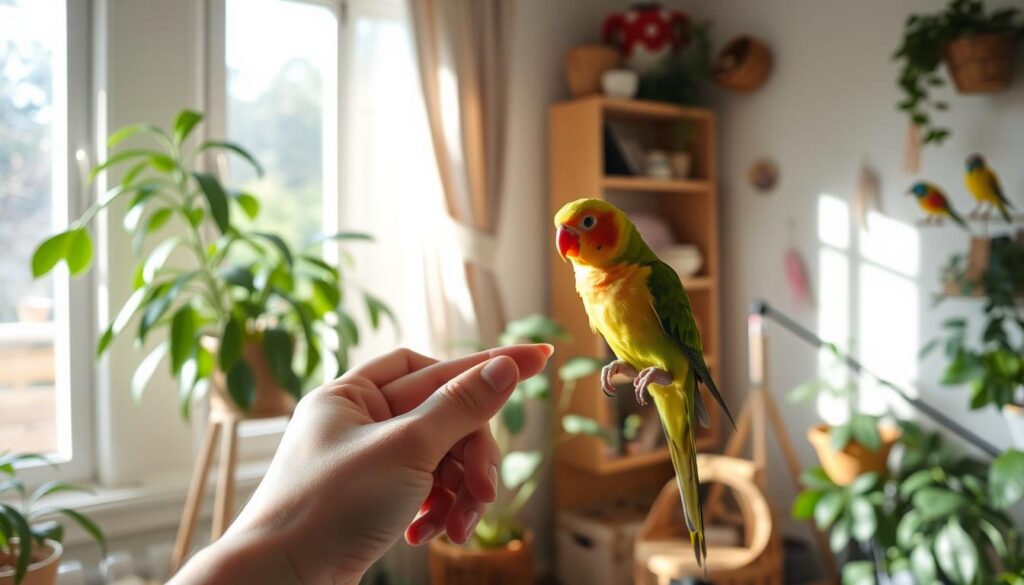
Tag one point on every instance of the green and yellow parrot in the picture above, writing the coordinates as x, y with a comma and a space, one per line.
984, 185
934, 203
638, 304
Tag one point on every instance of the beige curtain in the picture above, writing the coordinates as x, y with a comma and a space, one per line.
463, 53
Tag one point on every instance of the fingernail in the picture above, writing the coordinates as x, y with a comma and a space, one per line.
492, 474
499, 373
469, 521
424, 532
549, 349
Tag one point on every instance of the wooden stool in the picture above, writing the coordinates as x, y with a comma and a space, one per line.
663, 549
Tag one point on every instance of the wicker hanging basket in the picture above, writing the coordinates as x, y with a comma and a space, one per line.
981, 64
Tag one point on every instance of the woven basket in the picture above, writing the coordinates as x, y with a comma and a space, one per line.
981, 64
584, 66
743, 65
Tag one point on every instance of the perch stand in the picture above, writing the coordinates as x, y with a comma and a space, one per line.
664, 552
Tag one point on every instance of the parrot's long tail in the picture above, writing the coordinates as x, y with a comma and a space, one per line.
1005, 212
676, 409
956, 217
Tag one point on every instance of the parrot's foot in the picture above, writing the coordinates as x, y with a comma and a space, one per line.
612, 369
647, 377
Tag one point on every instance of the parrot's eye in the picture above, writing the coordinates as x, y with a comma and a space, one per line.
588, 222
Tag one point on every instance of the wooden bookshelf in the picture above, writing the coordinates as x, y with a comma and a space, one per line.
586, 470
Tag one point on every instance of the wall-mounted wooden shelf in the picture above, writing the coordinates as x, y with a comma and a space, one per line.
585, 471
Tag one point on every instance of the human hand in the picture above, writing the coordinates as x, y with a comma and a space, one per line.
399, 445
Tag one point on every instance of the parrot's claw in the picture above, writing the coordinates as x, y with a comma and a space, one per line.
647, 377
612, 369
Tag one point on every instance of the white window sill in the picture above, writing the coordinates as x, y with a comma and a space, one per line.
153, 504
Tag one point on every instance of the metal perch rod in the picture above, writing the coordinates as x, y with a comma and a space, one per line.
761, 307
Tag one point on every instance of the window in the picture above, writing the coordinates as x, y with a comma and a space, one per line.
281, 99
43, 108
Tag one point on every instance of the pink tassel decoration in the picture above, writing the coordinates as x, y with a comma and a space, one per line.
798, 280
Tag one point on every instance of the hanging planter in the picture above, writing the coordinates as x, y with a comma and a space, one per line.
977, 47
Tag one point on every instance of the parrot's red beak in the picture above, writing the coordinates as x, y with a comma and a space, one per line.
568, 242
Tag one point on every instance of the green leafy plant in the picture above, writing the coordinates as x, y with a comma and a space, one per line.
27, 522
921, 51
522, 471
679, 76
212, 276
859, 426
992, 366
939, 515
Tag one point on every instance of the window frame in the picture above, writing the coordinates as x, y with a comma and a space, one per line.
259, 438
74, 370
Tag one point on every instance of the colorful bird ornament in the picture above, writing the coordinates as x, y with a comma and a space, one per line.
934, 203
638, 304
984, 185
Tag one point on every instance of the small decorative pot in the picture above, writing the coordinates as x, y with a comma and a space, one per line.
743, 65
982, 63
845, 466
620, 83
685, 259
1014, 416
657, 165
270, 400
34, 309
512, 564
585, 65
42, 571
682, 161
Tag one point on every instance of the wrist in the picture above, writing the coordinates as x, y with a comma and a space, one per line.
240, 558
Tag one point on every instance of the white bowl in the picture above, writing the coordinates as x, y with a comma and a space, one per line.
685, 259
620, 83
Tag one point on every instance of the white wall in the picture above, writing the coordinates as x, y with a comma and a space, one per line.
829, 104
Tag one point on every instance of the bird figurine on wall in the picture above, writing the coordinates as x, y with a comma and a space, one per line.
934, 203
638, 304
984, 185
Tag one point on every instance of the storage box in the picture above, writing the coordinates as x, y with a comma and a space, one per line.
595, 545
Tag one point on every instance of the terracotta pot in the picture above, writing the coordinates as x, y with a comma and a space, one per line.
743, 65
981, 64
271, 399
845, 466
1014, 415
451, 564
42, 571
584, 66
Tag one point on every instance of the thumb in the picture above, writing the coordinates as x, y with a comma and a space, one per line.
466, 402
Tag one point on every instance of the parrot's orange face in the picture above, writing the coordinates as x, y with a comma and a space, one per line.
589, 231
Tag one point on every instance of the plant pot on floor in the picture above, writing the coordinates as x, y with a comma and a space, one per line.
42, 571
1014, 415
845, 466
512, 564
982, 63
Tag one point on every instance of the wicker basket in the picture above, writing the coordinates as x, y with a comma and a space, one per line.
584, 66
743, 65
455, 565
981, 64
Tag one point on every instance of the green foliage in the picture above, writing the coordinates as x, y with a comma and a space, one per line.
938, 514
522, 471
30, 523
246, 287
859, 427
920, 54
678, 77
992, 366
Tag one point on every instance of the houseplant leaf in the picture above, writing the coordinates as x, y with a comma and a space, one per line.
804, 504
864, 429
828, 509
145, 371
518, 466
934, 502
956, 553
184, 123
241, 386
231, 344
217, 200
184, 327
579, 367
513, 414
24, 532
1006, 479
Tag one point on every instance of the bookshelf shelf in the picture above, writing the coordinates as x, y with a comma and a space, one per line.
645, 184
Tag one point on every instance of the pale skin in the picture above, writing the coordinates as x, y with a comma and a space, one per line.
399, 446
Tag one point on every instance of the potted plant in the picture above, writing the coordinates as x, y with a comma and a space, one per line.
237, 305
30, 534
855, 447
500, 550
938, 516
992, 366
978, 49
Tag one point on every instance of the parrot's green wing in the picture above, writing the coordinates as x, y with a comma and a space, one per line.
997, 188
673, 309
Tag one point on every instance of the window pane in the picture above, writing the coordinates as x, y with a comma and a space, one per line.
281, 72
29, 47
